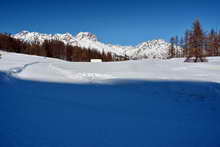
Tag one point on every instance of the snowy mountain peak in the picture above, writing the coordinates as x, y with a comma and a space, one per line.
66, 38
86, 35
24, 32
158, 42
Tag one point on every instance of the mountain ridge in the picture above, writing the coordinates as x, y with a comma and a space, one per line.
158, 48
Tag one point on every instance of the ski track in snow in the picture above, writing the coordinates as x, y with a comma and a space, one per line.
17, 70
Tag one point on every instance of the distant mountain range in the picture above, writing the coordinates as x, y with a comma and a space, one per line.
150, 49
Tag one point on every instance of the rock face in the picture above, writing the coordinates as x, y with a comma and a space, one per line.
149, 49
86, 36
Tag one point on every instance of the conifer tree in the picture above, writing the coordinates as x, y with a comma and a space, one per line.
172, 48
196, 43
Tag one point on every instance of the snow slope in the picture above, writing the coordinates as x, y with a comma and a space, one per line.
150, 49
47, 102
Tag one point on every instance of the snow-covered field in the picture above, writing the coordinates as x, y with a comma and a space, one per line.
55, 70
47, 102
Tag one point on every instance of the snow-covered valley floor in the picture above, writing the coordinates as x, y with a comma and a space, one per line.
150, 103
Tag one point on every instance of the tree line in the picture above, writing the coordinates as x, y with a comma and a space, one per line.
196, 43
54, 49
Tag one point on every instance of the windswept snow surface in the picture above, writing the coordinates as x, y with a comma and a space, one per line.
47, 102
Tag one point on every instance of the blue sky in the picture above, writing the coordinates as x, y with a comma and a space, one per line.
125, 22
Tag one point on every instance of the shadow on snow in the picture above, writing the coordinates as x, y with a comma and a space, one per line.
119, 113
